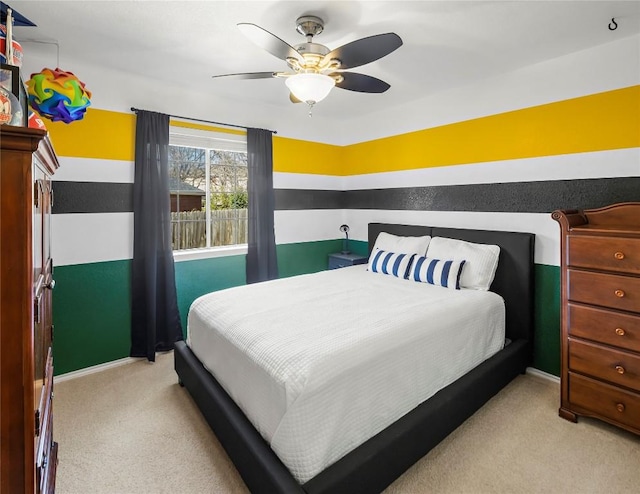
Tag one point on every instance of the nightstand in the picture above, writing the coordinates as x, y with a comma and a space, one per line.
339, 260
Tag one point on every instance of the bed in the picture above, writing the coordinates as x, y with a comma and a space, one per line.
375, 463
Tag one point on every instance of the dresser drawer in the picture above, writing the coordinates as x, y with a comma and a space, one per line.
607, 290
605, 326
615, 404
606, 253
614, 366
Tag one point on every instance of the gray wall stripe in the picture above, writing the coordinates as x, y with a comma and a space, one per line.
92, 197
517, 197
288, 199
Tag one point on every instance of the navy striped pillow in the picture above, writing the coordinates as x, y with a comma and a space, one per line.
437, 272
384, 262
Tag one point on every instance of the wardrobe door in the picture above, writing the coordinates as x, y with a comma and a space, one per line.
45, 454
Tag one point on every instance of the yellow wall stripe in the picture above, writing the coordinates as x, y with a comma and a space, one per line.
603, 121
107, 134
296, 156
100, 134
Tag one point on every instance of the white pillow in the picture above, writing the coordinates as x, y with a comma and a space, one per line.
392, 263
481, 260
402, 245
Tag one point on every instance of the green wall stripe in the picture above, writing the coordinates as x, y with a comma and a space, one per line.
91, 314
305, 257
195, 278
92, 307
359, 247
546, 343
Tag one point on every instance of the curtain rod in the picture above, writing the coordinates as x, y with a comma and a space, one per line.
136, 110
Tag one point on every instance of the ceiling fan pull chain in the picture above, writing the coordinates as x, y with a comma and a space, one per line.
310, 103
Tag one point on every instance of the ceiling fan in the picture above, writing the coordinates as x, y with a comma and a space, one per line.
314, 68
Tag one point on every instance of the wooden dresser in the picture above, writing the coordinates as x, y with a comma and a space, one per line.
28, 454
600, 374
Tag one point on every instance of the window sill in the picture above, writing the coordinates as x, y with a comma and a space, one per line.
193, 254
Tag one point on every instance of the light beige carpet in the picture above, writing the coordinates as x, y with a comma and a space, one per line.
133, 429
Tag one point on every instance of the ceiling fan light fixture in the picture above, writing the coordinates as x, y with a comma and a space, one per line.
310, 88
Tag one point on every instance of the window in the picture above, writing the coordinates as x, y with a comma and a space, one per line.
208, 189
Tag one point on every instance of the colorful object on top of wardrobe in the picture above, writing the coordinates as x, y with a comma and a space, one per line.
58, 95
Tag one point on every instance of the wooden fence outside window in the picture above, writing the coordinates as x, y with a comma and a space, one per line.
188, 228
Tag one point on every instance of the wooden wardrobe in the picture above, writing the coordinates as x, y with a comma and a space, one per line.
28, 454
600, 266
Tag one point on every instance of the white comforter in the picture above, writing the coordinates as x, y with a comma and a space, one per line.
320, 363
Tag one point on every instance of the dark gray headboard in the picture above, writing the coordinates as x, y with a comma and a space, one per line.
514, 279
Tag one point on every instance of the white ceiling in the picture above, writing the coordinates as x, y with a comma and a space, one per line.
446, 43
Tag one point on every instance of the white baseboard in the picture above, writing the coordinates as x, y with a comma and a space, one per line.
545, 375
93, 369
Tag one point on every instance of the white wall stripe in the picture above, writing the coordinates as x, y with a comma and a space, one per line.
614, 163
547, 245
91, 237
87, 238
600, 164
308, 225
307, 181
94, 170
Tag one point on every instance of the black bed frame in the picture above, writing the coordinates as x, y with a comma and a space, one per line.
375, 464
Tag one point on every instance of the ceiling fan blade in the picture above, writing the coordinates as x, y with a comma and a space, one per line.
365, 50
270, 42
248, 75
361, 83
293, 99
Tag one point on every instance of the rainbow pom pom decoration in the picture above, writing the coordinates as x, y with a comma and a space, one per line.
58, 95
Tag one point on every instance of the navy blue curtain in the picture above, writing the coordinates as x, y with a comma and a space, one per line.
155, 319
262, 264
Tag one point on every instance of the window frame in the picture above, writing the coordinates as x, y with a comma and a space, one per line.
190, 135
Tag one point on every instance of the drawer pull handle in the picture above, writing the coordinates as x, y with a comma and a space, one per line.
619, 293
619, 255
620, 407
620, 369
620, 332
